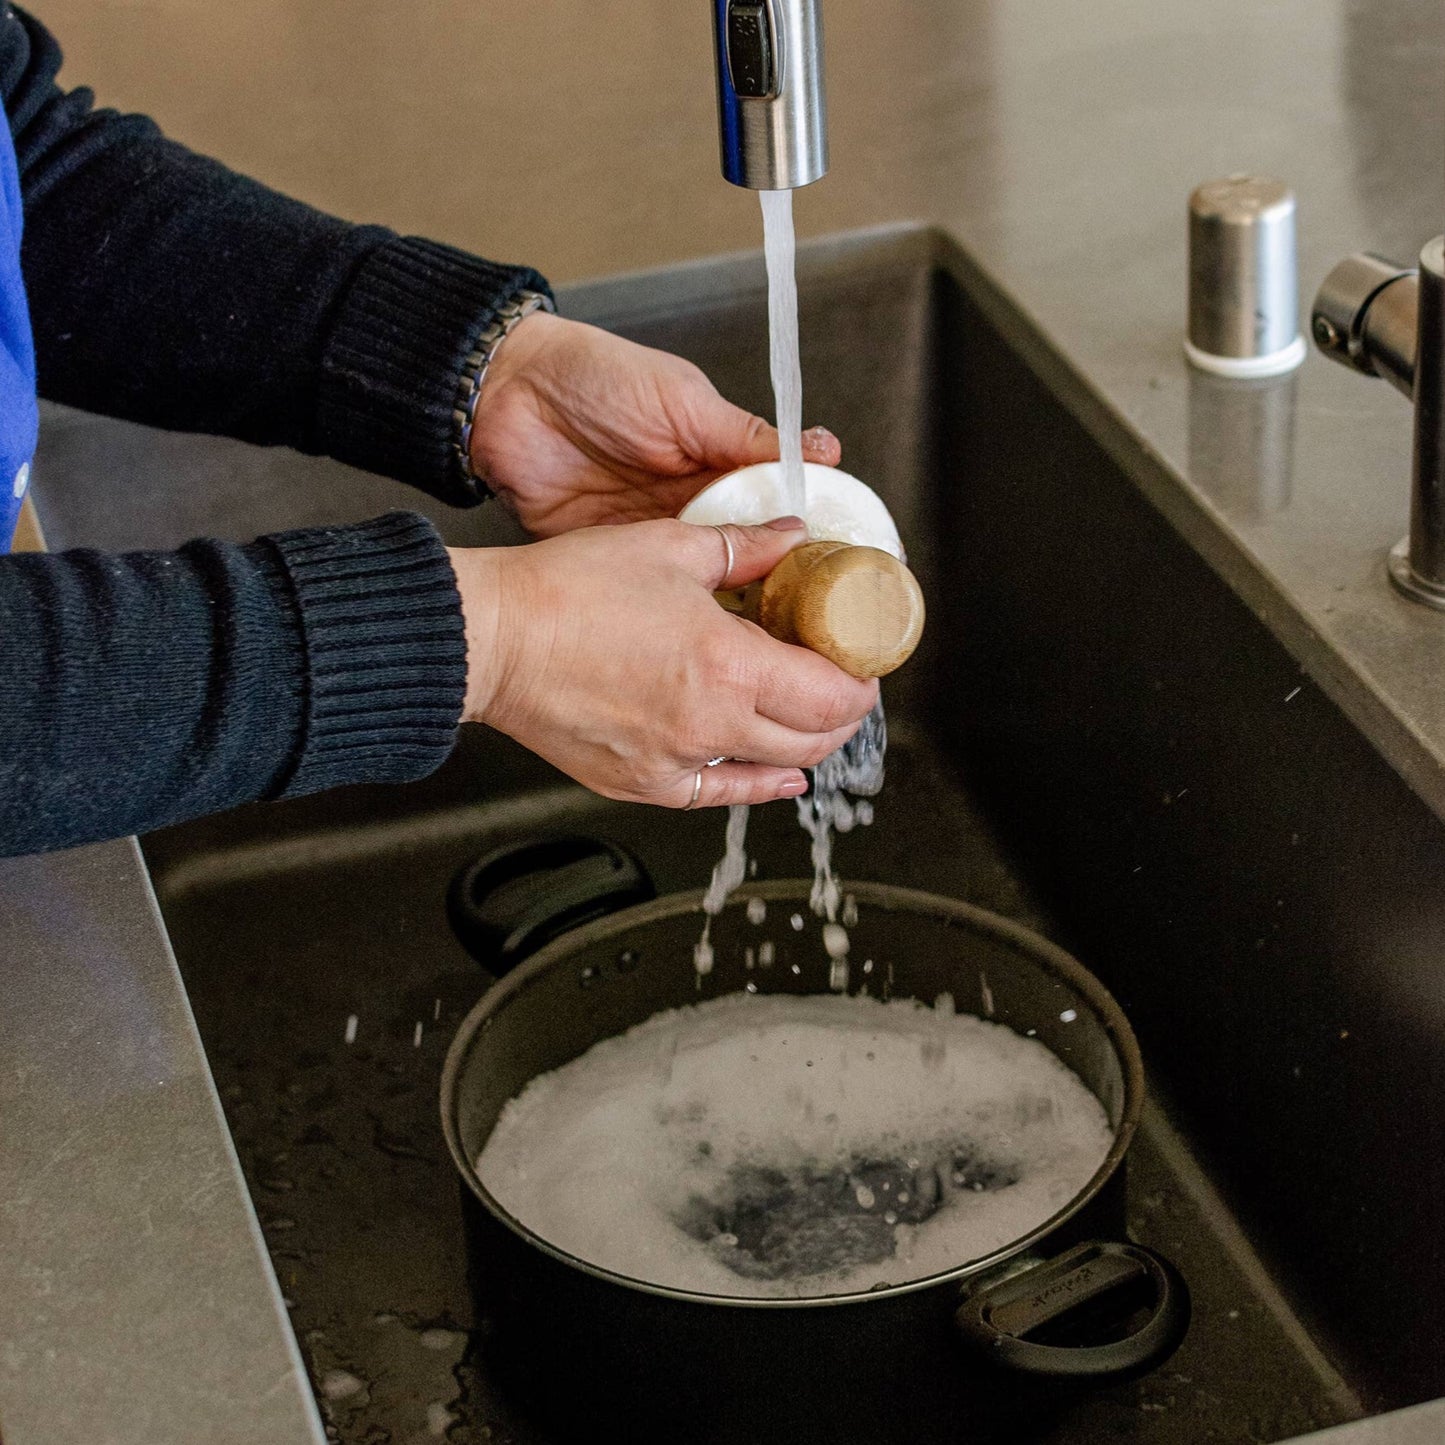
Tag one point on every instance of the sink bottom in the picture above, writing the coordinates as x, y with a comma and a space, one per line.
282, 943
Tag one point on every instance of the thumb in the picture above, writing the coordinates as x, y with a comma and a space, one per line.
727, 437
730, 555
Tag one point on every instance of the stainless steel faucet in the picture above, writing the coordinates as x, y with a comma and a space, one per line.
1389, 320
771, 113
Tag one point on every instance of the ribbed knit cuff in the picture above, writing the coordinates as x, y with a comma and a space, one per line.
394, 356
383, 651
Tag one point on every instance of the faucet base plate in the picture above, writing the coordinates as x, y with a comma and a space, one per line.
1409, 582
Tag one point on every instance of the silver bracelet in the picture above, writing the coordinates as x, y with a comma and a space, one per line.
474, 373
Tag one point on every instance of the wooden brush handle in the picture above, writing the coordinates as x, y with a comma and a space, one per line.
858, 606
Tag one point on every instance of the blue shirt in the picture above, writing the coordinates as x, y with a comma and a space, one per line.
19, 415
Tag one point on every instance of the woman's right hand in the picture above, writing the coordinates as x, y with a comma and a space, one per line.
605, 652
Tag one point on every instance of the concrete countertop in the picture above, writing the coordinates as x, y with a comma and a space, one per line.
1056, 143
137, 1303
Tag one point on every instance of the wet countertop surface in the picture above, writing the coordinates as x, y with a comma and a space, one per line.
1056, 143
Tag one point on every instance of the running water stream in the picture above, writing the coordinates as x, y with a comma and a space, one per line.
779, 249
727, 874
857, 767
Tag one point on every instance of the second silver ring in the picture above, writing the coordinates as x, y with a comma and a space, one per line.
697, 779
731, 556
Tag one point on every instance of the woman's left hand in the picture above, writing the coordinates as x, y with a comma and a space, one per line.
576, 427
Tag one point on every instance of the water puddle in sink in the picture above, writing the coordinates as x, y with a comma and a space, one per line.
794, 1146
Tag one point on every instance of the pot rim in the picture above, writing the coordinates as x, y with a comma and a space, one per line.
883, 895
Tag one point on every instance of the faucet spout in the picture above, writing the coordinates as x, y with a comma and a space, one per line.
772, 118
1387, 320
1365, 317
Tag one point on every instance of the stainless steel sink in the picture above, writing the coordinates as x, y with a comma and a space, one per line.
1096, 737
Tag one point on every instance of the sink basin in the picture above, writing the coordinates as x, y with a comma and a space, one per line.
1096, 737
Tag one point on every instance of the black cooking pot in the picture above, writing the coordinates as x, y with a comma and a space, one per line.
982, 1351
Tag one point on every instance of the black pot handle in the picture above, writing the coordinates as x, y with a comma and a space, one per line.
512, 902
1100, 1309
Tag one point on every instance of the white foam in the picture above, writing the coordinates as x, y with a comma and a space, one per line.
789, 1124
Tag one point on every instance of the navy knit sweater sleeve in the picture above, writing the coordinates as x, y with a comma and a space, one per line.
141, 689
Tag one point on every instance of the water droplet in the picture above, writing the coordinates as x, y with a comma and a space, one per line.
341, 1385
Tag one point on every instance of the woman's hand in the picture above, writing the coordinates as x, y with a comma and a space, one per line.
605, 652
576, 427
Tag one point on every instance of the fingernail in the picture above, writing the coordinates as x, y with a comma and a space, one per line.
786, 524
792, 787
818, 436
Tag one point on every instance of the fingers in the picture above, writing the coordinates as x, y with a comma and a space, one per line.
796, 688
805, 692
753, 551
821, 446
624, 696
725, 436
733, 783
763, 741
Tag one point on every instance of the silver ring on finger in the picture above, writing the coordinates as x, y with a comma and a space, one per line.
731, 557
697, 779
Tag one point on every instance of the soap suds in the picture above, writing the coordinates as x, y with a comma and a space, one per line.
795, 1146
